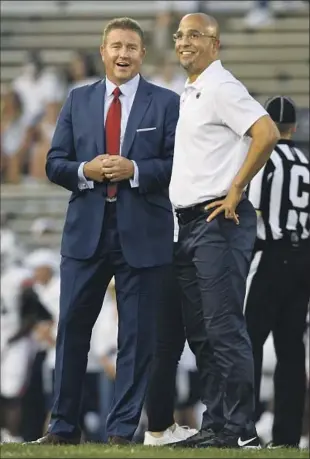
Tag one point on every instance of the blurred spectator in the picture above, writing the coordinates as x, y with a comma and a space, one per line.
260, 15
45, 234
170, 76
168, 15
82, 70
16, 137
38, 85
42, 226
44, 133
29, 113
11, 251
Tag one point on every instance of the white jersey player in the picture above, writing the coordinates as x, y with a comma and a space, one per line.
15, 353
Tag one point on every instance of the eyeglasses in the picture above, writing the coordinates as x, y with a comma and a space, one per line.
191, 36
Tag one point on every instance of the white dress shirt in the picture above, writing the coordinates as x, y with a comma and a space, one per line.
211, 144
128, 92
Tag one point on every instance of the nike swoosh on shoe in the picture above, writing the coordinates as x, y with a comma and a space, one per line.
244, 443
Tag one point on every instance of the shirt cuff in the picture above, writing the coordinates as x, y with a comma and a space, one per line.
134, 182
83, 183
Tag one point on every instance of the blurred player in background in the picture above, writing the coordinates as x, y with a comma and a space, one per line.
20, 310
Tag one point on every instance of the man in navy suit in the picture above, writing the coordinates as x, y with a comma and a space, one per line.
112, 149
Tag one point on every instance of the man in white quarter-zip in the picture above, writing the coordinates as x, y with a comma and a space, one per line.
223, 138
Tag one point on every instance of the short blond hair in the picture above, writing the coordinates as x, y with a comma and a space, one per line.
124, 24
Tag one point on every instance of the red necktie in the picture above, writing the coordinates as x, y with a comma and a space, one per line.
113, 134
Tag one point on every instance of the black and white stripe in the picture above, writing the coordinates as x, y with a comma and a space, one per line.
281, 194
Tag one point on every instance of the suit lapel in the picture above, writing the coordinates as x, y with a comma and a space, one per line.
140, 104
98, 110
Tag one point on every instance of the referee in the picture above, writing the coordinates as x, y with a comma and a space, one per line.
278, 287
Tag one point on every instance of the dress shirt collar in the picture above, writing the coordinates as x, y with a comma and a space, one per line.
127, 89
212, 68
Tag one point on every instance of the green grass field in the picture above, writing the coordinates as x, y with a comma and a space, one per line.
105, 451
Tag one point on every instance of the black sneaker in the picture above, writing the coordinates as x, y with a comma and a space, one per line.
195, 441
228, 439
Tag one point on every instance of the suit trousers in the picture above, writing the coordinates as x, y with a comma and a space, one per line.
277, 300
83, 286
212, 261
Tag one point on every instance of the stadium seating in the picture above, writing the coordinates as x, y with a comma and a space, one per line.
270, 61
26, 203
275, 59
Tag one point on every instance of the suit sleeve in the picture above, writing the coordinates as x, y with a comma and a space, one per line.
155, 173
61, 165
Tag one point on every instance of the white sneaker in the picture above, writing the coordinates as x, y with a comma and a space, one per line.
169, 436
304, 442
184, 432
264, 427
6, 437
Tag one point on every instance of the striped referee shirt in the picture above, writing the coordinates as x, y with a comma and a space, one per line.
280, 192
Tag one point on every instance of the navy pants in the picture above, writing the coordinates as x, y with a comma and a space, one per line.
212, 261
83, 286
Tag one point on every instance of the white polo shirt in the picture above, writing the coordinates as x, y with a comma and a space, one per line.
216, 111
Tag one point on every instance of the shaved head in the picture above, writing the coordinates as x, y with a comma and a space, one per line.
197, 43
209, 23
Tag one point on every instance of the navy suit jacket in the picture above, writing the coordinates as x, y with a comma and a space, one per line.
144, 214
